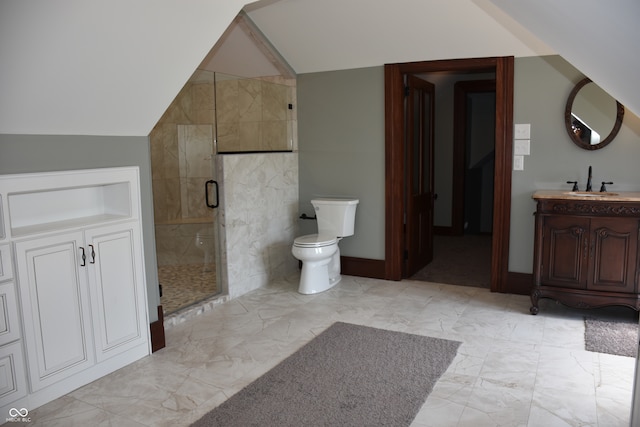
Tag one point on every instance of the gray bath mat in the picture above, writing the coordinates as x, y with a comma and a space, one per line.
349, 375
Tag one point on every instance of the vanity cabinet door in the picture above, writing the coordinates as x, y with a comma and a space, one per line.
117, 288
565, 251
613, 253
55, 305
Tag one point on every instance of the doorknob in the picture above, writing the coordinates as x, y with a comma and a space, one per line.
206, 194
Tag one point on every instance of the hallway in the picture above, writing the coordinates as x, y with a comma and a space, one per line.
459, 260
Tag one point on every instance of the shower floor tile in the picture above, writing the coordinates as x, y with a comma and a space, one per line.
184, 285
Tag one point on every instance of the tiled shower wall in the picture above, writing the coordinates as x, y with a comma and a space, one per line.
254, 115
259, 219
181, 148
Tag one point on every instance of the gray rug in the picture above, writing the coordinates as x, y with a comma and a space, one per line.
611, 337
349, 375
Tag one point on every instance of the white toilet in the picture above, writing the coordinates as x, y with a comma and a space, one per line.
319, 253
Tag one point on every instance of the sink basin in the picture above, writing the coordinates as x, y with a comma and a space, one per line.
590, 194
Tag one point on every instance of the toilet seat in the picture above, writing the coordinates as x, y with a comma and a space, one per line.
314, 241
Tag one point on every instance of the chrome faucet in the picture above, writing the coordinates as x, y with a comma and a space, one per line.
589, 181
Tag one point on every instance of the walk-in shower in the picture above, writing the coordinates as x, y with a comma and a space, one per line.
213, 114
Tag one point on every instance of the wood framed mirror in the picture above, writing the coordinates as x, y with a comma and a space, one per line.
592, 117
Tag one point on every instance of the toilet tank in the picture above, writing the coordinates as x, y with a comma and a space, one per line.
335, 216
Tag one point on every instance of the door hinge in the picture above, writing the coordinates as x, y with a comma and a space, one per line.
406, 90
406, 254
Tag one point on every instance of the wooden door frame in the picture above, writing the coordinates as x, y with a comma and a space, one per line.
394, 159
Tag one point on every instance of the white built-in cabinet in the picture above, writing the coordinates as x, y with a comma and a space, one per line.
79, 291
13, 383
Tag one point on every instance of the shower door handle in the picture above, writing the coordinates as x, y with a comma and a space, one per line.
206, 194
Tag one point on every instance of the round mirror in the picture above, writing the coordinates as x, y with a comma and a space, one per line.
592, 117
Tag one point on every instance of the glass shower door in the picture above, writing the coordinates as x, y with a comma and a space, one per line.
187, 242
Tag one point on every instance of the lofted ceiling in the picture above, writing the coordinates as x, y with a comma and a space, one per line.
314, 36
112, 68
331, 35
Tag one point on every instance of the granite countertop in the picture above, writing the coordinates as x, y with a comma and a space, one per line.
613, 196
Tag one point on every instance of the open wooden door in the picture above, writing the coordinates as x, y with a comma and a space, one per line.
419, 112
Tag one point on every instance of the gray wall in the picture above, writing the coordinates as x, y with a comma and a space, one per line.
341, 143
44, 153
341, 150
542, 85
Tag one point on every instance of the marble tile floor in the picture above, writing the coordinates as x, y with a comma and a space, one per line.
513, 369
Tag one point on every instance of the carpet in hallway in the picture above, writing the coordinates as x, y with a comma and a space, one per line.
459, 260
349, 375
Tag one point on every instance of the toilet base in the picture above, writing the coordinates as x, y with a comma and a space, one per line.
317, 277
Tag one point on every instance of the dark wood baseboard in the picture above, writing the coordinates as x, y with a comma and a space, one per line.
157, 332
363, 267
519, 283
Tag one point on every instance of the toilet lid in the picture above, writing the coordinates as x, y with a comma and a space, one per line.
314, 241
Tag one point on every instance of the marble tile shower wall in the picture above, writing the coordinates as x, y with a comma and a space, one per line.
260, 217
181, 148
253, 115
249, 110
181, 156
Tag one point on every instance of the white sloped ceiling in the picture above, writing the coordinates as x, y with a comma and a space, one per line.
113, 67
100, 67
600, 38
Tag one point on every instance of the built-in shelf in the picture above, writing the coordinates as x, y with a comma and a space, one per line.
38, 211
52, 202
66, 224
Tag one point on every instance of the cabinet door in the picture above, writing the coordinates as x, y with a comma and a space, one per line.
117, 284
55, 302
565, 251
613, 251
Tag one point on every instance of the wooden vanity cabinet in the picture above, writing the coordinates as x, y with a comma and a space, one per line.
586, 252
